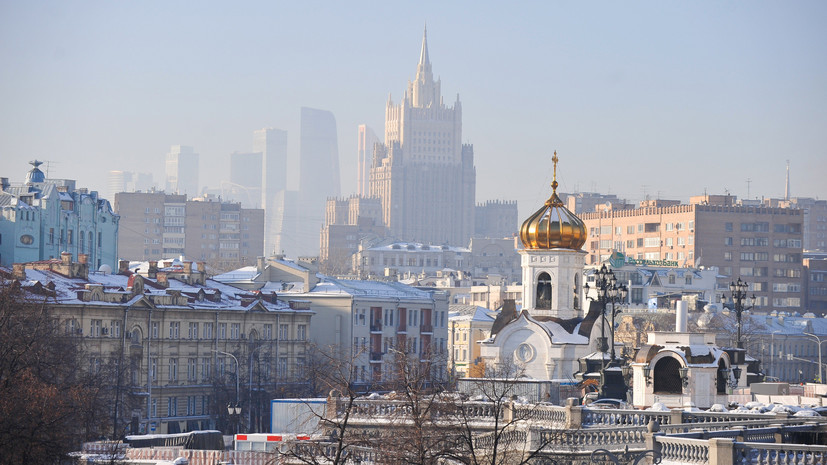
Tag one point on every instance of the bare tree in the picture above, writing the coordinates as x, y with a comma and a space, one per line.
419, 429
333, 370
49, 402
491, 428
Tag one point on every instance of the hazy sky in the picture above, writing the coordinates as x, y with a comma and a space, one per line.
666, 98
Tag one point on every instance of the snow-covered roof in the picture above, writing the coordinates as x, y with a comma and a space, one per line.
478, 314
69, 291
247, 273
559, 335
362, 288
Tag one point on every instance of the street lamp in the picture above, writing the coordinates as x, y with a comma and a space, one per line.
237, 405
820, 369
684, 374
739, 295
605, 283
250, 390
235, 411
736, 374
647, 370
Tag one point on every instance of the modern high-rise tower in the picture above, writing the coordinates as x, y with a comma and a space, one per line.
367, 139
272, 144
182, 171
245, 179
423, 173
318, 176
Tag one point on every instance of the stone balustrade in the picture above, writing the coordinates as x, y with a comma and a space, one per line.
587, 439
773, 454
683, 450
608, 417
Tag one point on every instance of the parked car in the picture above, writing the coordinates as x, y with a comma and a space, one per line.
607, 403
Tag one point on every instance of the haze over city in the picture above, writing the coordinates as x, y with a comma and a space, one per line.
660, 99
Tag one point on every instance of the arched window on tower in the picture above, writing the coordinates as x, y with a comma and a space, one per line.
577, 291
543, 291
667, 378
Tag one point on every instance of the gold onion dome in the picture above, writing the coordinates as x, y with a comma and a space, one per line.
553, 226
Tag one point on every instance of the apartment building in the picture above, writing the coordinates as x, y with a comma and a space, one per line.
182, 341
370, 323
40, 218
203, 228
759, 244
405, 258
347, 222
815, 283
468, 326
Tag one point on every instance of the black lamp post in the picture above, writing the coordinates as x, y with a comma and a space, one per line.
234, 409
608, 291
739, 297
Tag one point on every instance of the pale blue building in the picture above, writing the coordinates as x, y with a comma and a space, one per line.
41, 218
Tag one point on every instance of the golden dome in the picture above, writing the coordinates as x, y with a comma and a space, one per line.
553, 226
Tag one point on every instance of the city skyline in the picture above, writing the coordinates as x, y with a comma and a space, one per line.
670, 100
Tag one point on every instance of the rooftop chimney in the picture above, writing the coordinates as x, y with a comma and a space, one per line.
680, 317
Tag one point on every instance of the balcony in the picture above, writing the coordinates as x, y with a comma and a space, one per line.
376, 356
426, 328
376, 327
403, 328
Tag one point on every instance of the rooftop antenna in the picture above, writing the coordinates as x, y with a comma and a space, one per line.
49, 166
748, 183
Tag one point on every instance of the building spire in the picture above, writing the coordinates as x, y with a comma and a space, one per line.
554, 159
787, 185
423, 54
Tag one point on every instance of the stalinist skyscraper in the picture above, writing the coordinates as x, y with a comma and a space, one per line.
423, 173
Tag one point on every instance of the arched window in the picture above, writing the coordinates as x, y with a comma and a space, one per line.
80, 250
135, 337
89, 242
667, 378
543, 291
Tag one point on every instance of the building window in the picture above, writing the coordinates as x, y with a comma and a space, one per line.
283, 332
173, 370
543, 291
174, 329
95, 328
172, 406
206, 366
207, 330
301, 332
235, 330
192, 369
